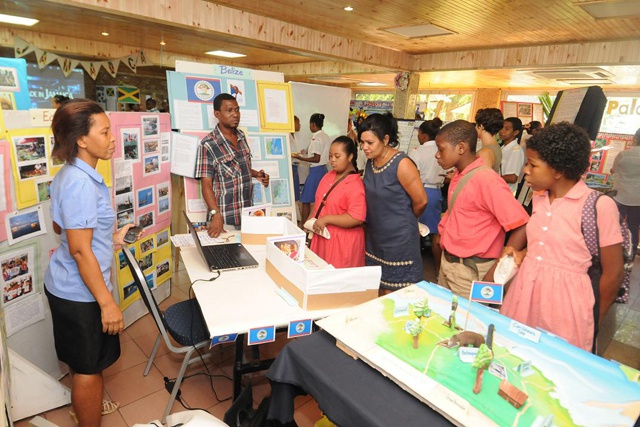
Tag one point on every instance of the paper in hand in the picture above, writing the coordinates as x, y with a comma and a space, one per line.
309, 226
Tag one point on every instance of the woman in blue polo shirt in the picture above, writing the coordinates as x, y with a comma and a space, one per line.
86, 318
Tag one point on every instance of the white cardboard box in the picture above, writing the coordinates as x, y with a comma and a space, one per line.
256, 229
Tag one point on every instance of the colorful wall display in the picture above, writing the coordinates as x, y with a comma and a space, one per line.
14, 90
606, 148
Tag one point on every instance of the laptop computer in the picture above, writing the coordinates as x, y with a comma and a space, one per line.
223, 256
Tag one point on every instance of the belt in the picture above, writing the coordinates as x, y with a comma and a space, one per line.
434, 186
470, 262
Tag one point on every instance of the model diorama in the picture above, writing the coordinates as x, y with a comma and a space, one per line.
497, 372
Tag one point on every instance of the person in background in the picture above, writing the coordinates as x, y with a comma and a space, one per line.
318, 152
533, 127
58, 100
86, 318
224, 167
432, 177
489, 121
293, 148
344, 210
395, 200
552, 289
150, 105
512, 153
626, 183
134, 107
472, 231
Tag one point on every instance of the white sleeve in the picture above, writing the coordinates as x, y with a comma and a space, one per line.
512, 162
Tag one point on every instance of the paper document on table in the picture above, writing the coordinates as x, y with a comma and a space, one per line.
180, 240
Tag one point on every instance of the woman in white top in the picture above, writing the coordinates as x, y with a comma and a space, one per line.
318, 153
626, 170
432, 177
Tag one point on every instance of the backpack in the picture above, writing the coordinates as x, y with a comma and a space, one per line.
591, 235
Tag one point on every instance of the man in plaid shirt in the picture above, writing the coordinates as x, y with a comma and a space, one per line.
224, 166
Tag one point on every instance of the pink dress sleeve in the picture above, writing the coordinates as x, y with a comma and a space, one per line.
356, 201
608, 222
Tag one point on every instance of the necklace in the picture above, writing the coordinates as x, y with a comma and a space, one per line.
384, 157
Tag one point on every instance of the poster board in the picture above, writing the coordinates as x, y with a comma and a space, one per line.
142, 196
606, 148
14, 90
583, 107
408, 134
192, 90
525, 111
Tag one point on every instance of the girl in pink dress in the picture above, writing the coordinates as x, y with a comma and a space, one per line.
344, 211
552, 290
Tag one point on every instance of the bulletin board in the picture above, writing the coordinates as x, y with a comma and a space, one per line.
192, 90
606, 148
525, 111
142, 194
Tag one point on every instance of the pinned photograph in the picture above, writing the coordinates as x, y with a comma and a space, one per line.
162, 238
146, 220
130, 143
145, 197
274, 147
280, 192
124, 202
147, 245
151, 279
29, 148
236, 89
163, 205
257, 210
44, 190
17, 288
258, 196
254, 145
146, 261
17, 274
162, 268
150, 126
122, 263
291, 246
9, 79
33, 171
125, 217
129, 290
162, 189
150, 146
151, 165
54, 161
25, 225
124, 184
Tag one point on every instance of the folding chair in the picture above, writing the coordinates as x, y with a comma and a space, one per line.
182, 321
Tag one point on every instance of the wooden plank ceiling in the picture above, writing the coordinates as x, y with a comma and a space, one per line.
318, 41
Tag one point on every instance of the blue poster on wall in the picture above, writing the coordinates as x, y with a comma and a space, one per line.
14, 90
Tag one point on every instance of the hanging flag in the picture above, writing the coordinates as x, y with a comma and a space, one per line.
21, 47
131, 61
111, 66
142, 60
44, 58
128, 94
67, 65
487, 292
92, 68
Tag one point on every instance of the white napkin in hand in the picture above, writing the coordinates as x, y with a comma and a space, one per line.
505, 270
423, 229
309, 226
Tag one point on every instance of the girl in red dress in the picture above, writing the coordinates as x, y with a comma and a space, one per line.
344, 210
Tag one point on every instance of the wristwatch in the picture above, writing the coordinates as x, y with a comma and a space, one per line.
211, 213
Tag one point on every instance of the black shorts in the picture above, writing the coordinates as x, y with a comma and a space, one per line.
80, 342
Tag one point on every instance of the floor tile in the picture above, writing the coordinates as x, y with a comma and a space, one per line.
146, 343
197, 392
144, 325
61, 417
148, 408
307, 414
130, 384
130, 355
623, 353
220, 409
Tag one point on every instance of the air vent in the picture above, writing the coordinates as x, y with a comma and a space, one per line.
573, 75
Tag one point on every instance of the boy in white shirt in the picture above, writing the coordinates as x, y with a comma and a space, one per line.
512, 153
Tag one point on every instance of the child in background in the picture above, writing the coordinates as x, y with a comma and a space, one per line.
552, 289
344, 209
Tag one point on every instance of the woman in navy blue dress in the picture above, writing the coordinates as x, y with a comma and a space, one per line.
395, 200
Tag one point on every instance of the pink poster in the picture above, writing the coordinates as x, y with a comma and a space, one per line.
6, 203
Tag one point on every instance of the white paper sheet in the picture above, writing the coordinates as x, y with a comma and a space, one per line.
184, 150
187, 115
275, 104
249, 118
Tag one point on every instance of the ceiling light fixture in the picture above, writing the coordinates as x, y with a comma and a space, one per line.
104, 33
348, 8
609, 10
371, 84
162, 43
225, 54
418, 31
17, 20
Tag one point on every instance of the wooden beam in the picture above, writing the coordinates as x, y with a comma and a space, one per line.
248, 29
575, 54
324, 68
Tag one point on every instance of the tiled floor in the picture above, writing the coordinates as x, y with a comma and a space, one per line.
143, 399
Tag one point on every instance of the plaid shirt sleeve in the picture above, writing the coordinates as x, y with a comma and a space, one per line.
204, 158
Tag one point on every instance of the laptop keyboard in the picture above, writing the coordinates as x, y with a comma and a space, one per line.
221, 258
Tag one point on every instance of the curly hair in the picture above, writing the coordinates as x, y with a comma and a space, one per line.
491, 119
564, 147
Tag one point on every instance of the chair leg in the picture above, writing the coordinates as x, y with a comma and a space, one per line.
176, 384
153, 355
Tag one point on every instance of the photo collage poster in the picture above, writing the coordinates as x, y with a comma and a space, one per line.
606, 148
191, 97
142, 196
6, 202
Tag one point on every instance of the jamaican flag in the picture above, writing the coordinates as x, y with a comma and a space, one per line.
128, 95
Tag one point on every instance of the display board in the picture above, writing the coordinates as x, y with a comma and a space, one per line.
408, 134
14, 89
525, 111
583, 107
606, 148
531, 378
266, 118
142, 194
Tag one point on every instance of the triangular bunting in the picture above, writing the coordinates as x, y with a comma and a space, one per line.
44, 58
21, 47
131, 61
111, 66
67, 65
142, 60
92, 68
